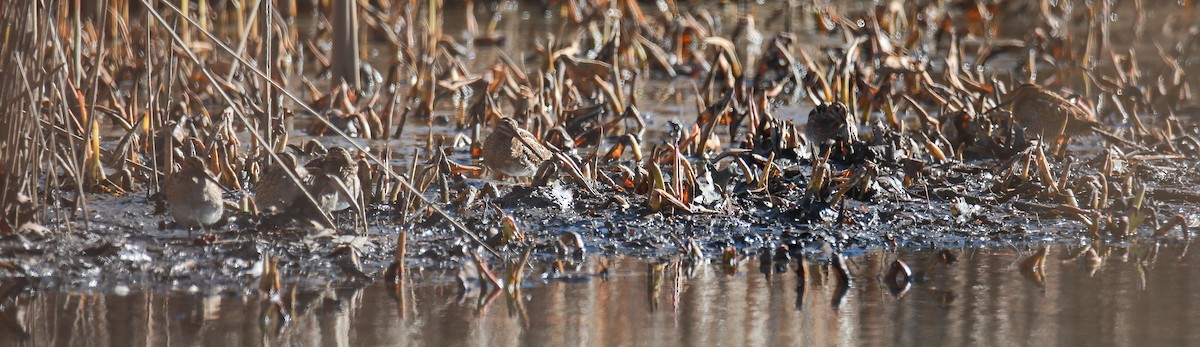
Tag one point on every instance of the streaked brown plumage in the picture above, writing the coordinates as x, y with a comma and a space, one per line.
193, 195
325, 189
747, 40
831, 122
776, 64
276, 191
326, 173
1043, 112
513, 151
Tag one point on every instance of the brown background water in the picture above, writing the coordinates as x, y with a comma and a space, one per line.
983, 299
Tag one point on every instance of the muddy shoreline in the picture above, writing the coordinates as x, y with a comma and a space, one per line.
130, 247
677, 131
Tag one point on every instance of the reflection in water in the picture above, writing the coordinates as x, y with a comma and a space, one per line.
1079, 295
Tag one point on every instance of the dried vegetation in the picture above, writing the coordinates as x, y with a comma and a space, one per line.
978, 111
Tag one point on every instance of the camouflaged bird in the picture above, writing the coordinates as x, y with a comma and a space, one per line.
276, 190
512, 151
831, 123
193, 195
333, 180
1045, 113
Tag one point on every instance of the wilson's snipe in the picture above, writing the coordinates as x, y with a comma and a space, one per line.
333, 180
831, 122
776, 64
1046, 113
325, 188
747, 40
276, 191
193, 195
513, 151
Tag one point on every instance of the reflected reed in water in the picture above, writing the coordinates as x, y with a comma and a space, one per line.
983, 298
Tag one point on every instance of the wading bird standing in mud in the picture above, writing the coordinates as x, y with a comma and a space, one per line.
276, 190
333, 180
193, 195
513, 151
1045, 113
830, 123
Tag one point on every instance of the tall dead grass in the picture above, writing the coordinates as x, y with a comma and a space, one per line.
22, 146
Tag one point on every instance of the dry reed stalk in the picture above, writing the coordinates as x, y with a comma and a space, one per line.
22, 145
345, 43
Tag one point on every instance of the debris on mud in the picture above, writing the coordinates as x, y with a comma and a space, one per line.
614, 127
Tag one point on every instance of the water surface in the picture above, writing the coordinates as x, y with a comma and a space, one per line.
1142, 294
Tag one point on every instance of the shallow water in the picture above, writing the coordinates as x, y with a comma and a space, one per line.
1144, 294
